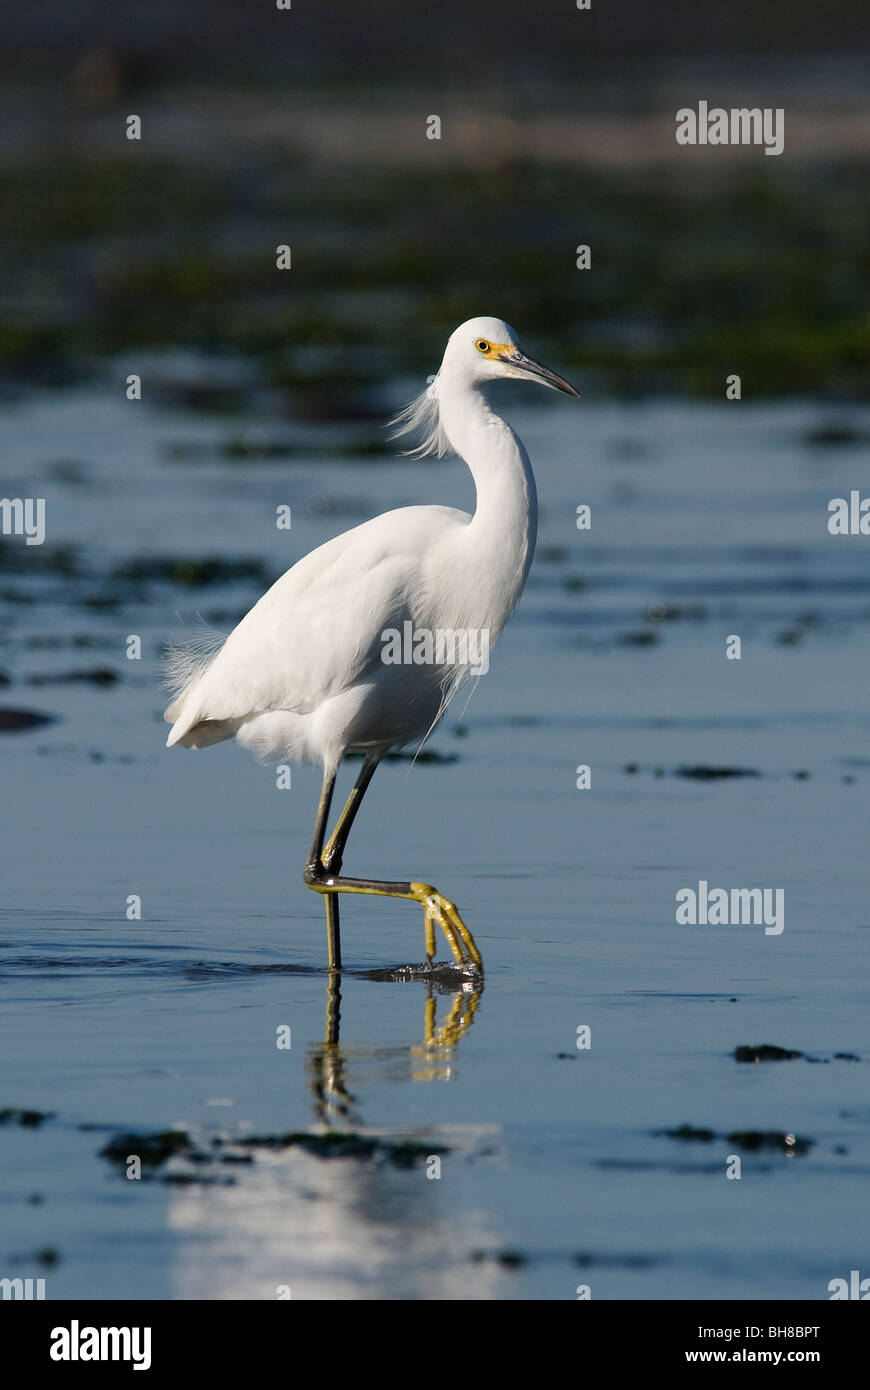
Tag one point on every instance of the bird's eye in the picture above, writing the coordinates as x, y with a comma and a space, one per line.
482, 345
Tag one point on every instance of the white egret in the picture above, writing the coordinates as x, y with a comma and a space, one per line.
303, 675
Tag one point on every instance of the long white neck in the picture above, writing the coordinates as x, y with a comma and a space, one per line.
500, 541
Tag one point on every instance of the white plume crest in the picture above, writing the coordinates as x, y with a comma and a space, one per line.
423, 413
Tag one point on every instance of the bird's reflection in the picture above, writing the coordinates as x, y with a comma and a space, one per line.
429, 1060
325, 1066
331, 1221
434, 1056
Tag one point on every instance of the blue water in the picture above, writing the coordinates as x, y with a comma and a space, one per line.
707, 521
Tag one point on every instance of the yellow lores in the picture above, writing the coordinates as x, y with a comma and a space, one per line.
492, 350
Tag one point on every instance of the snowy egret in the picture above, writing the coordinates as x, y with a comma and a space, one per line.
305, 676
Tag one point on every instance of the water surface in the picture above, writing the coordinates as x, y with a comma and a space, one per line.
708, 521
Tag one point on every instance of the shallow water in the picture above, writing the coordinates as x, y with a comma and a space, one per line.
707, 521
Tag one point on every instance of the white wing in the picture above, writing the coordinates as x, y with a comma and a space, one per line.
317, 631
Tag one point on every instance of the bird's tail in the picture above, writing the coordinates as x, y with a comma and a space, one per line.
185, 663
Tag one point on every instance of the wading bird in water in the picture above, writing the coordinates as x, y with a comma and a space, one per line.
303, 676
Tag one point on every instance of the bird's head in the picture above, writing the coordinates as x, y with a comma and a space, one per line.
478, 352
486, 349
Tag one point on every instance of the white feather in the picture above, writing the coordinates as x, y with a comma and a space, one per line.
423, 413
304, 676
187, 658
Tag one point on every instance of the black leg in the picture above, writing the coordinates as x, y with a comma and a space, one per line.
314, 868
332, 856
437, 909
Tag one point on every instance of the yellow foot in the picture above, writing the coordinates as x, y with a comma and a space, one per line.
433, 1058
439, 911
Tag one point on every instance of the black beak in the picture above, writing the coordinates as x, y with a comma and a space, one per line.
535, 371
